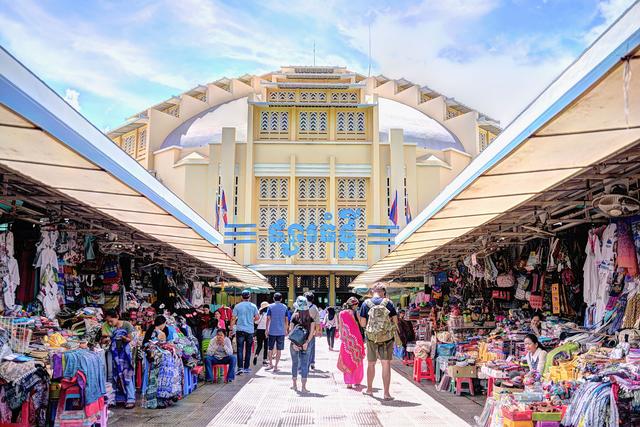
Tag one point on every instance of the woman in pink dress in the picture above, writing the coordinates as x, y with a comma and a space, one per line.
351, 358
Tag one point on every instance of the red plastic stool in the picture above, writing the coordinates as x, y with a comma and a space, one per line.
468, 389
419, 374
408, 358
216, 372
490, 386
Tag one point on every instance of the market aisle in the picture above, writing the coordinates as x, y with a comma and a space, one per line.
267, 400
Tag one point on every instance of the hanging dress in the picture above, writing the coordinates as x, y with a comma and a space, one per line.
47, 261
590, 270
606, 269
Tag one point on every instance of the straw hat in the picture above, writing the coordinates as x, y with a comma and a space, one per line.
264, 304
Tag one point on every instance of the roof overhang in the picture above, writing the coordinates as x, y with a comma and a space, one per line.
578, 121
47, 141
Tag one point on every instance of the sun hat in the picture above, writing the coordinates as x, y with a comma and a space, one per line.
301, 304
264, 304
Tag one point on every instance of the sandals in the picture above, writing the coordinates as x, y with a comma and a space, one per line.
129, 406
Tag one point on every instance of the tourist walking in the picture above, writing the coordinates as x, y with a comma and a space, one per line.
351, 358
277, 326
261, 334
317, 331
300, 334
330, 322
245, 314
379, 318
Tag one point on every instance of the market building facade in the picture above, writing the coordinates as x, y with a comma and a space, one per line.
308, 171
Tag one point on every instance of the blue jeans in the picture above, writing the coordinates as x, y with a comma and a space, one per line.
312, 351
209, 361
244, 341
299, 361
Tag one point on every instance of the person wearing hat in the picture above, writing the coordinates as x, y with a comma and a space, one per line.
300, 353
245, 314
277, 325
261, 334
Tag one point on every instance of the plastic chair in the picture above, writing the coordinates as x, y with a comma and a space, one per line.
469, 386
217, 369
419, 374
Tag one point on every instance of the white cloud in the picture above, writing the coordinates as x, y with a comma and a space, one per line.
79, 54
73, 98
498, 81
609, 11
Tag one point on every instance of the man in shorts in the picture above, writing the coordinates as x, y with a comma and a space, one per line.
277, 325
378, 316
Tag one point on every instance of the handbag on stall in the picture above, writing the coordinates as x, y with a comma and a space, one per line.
536, 301
521, 290
505, 280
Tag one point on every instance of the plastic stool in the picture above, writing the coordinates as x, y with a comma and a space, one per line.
190, 382
419, 374
217, 369
490, 381
408, 358
468, 389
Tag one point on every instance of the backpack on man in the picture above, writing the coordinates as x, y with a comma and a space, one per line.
379, 328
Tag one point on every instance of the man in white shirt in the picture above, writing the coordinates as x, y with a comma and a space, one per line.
220, 352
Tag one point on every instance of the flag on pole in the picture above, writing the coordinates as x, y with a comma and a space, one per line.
223, 208
393, 212
407, 210
217, 207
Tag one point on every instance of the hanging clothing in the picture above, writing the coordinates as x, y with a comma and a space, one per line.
590, 270
626, 257
351, 358
47, 262
123, 370
606, 269
197, 295
9, 271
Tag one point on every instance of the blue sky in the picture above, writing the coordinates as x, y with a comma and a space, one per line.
112, 59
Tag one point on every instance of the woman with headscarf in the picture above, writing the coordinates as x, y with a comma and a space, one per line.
330, 323
351, 359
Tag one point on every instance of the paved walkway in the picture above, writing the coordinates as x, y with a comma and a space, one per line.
265, 399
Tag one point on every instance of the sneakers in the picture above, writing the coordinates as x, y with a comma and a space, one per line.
247, 371
240, 372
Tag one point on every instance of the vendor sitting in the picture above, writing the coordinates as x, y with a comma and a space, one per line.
536, 324
220, 352
536, 356
405, 329
160, 331
119, 334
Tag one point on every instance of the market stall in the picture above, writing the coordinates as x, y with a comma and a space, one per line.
530, 260
94, 252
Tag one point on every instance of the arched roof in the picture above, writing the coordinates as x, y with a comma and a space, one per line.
206, 127
418, 127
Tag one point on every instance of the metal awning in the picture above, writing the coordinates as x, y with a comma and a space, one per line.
45, 140
578, 122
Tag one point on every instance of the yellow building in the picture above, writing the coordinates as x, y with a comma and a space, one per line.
294, 145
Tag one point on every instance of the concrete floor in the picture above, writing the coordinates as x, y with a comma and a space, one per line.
265, 399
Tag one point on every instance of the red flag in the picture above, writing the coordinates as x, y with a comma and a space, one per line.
223, 208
